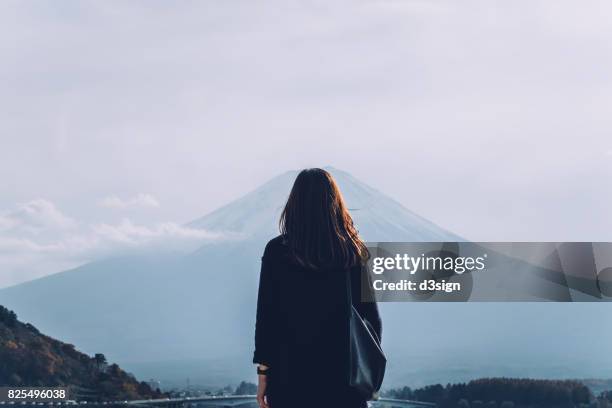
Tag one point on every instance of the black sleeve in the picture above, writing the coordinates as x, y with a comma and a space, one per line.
265, 323
367, 310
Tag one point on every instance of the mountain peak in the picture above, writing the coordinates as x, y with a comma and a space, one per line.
377, 216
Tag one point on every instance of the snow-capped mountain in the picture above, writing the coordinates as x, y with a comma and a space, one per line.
150, 308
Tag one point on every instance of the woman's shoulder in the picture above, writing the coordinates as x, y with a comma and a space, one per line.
276, 247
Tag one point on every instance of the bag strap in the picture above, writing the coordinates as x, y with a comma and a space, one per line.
349, 287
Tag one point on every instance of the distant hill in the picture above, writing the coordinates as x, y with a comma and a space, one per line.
29, 358
504, 392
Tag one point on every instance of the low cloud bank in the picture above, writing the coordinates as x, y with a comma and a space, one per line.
37, 238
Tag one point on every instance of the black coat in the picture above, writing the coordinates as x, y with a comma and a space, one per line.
301, 331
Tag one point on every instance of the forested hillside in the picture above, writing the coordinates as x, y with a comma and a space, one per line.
29, 358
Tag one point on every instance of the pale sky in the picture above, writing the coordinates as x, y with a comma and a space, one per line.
122, 120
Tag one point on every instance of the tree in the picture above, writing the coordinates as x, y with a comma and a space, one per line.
8, 317
100, 360
519, 392
246, 388
581, 394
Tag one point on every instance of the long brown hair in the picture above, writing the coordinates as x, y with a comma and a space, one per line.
317, 225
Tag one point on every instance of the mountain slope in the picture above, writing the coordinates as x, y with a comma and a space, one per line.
29, 358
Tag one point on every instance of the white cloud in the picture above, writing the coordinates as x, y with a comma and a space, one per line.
38, 239
36, 216
138, 201
132, 234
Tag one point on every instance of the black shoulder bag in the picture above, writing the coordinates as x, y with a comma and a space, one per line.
367, 361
